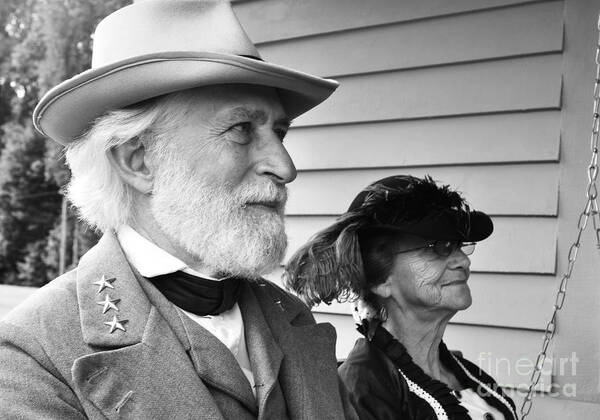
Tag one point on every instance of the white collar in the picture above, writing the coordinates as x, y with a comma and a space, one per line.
149, 259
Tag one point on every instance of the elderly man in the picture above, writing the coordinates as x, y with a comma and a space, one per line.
174, 139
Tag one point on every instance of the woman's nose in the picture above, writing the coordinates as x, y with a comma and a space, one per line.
458, 259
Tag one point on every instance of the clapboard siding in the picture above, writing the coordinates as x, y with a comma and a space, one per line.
532, 29
487, 347
270, 20
495, 189
493, 86
495, 302
509, 249
516, 137
467, 91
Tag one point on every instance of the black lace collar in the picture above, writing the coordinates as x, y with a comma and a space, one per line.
403, 361
398, 354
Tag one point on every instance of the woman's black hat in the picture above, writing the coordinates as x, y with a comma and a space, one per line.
420, 207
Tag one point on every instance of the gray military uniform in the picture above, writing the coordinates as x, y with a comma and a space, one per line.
66, 354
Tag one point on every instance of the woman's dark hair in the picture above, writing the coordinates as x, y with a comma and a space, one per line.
342, 264
378, 249
329, 266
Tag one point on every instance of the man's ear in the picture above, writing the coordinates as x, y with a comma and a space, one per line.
129, 159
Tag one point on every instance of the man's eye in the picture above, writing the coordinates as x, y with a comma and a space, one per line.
241, 132
243, 127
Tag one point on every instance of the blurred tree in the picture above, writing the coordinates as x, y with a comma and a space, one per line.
42, 42
29, 202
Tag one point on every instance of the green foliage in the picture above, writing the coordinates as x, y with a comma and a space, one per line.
42, 42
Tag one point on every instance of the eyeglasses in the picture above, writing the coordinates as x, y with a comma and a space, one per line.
446, 248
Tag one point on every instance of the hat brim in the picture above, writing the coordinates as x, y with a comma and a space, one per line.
446, 227
68, 110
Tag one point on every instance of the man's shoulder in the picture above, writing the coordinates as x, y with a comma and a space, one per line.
46, 325
277, 292
57, 299
268, 291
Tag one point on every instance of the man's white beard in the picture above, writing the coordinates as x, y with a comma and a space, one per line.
213, 224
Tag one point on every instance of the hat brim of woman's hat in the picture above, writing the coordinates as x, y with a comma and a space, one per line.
446, 227
69, 109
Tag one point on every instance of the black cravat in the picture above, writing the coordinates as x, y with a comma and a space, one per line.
198, 295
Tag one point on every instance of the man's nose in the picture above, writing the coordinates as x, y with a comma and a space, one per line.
274, 160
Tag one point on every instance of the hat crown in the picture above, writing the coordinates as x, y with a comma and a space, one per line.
152, 48
158, 26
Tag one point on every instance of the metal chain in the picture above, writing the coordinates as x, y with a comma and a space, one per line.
590, 210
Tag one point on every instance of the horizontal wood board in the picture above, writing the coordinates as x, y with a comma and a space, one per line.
514, 31
269, 20
494, 189
516, 84
493, 138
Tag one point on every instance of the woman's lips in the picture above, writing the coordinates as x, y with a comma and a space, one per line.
455, 282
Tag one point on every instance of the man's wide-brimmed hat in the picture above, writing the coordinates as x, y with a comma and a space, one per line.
152, 48
418, 206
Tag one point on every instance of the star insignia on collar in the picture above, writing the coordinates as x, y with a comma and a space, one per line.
116, 324
109, 304
105, 282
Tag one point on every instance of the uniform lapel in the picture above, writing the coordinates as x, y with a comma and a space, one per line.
264, 352
309, 372
103, 273
303, 353
142, 369
217, 366
213, 361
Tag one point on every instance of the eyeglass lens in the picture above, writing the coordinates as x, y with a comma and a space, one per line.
468, 248
445, 248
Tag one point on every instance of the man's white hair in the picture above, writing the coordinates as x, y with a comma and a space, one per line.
104, 201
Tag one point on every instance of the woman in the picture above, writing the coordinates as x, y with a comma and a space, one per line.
401, 252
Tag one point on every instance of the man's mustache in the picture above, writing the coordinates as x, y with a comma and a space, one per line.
270, 195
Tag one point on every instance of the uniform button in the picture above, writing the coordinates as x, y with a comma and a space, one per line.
488, 416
